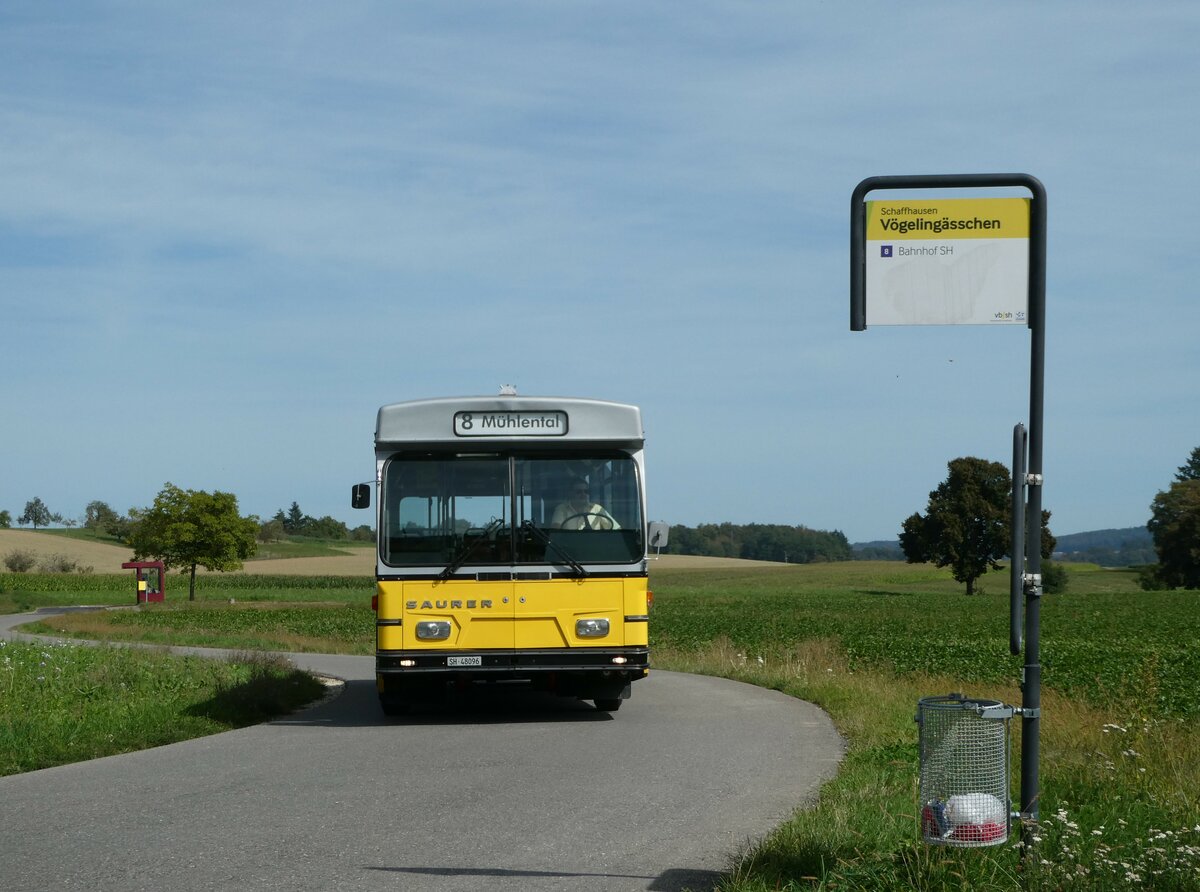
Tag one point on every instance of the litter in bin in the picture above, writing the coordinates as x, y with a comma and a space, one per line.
967, 817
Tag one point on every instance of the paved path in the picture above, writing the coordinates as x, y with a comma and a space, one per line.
531, 793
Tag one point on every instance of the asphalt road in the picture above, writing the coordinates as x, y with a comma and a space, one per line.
528, 793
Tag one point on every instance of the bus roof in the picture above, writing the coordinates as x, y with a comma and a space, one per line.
499, 420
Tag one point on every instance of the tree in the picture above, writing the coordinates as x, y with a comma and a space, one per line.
271, 531
36, 513
325, 528
296, 520
191, 528
97, 516
1175, 526
5, 520
967, 525
1190, 470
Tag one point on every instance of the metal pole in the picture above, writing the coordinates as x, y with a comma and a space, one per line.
1016, 586
1032, 682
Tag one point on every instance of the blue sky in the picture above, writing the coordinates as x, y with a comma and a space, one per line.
229, 232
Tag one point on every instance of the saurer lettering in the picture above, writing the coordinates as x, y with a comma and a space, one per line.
470, 604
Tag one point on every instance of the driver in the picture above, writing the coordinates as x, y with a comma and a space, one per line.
579, 512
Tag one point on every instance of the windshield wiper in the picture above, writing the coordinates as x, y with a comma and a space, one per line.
543, 537
455, 565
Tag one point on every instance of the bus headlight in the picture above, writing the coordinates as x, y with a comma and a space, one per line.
433, 631
591, 628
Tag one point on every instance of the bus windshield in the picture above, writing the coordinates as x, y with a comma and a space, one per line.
462, 509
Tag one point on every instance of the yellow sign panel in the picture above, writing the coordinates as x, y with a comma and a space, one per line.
953, 218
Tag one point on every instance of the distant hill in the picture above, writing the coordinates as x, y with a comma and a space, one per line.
1124, 547
1109, 548
879, 550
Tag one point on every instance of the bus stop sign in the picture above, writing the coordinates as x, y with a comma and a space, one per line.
957, 261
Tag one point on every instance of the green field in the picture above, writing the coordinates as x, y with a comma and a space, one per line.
1120, 765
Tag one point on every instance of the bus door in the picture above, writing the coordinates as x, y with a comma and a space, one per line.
444, 512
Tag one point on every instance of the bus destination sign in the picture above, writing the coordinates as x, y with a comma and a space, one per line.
510, 424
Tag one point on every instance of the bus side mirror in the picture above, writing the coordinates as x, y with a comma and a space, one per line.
360, 496
659, 533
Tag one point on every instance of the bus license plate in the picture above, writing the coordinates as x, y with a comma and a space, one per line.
464, 661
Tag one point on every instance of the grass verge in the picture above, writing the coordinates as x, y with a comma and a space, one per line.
329, 627
1119, 805
62, 703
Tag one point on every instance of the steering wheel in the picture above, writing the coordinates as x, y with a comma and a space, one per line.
586, 525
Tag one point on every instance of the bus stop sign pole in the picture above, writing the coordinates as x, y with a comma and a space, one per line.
1031, 683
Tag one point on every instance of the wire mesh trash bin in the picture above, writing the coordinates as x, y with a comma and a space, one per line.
964, 783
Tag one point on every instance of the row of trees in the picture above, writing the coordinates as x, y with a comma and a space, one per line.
296, 523
101, 518
36, 513
760, 542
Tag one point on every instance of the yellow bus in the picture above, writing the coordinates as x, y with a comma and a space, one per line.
512, 542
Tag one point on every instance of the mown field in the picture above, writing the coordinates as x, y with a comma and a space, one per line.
1121, 711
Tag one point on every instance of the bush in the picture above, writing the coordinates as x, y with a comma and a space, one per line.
20, 561
1054, 578
60, 563
272, 531
1151, 580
